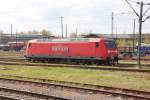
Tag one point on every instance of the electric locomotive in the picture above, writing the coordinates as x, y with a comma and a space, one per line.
80, 50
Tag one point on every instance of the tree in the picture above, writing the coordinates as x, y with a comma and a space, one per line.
147, 40
21, 33
33, 32
46, 32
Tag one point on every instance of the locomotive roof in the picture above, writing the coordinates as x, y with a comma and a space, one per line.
68, 40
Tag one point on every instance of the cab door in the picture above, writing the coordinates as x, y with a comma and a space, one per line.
97, 49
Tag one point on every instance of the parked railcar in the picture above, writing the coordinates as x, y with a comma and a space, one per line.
81, 50
17, 46
145, 49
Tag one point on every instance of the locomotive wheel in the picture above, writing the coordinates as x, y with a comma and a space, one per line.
29, 59
82, 62
99, 62
33, 60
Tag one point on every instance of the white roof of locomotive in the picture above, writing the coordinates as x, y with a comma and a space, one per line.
67, 40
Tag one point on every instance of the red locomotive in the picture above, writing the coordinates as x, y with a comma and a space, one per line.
81, 50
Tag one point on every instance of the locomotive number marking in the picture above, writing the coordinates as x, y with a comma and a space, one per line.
60, 48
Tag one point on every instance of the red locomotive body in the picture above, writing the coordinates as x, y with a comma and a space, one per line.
95, 50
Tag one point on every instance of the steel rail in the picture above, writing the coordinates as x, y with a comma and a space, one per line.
78, 66
32, 94
7, 98
126, 93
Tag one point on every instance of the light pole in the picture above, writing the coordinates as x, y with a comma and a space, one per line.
11, 29
133, 35
112, 25
66, 30
76, 32
16, 41
61, 26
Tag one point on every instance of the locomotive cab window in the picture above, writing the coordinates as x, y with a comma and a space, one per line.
97, 44
29, 44
110, 44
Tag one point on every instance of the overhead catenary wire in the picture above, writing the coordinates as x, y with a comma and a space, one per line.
146, 11
132, 8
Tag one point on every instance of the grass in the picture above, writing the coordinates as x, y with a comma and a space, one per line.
137, 81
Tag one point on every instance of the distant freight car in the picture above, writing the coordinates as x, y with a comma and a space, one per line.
81, 50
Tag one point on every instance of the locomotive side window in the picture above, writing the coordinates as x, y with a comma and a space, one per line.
110, 44
97, 44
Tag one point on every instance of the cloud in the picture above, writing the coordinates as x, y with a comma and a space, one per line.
86, 15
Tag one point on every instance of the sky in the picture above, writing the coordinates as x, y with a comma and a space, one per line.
84, 15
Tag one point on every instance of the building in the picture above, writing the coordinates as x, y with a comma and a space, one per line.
5, 38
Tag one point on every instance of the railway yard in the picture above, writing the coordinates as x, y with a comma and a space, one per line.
21, 79
74, 50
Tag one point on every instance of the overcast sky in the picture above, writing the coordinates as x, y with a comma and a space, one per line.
85, 15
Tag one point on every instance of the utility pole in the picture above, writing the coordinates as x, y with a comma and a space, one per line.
140, 32
116, 32
133, 35
62, 26
66, 30
11, 31
76, 32
112, 24
16, 41
140, 16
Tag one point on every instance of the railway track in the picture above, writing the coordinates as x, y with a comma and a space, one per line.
123, 93
20, 59
142, 59
123, 68
6, 98
12, 59
19, 94
23, 59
